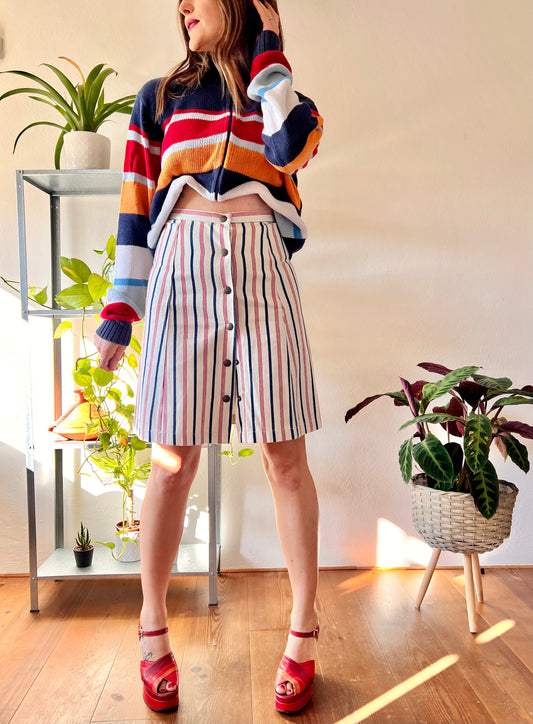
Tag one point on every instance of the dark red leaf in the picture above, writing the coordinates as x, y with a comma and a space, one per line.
457, 429
527, 388
471, 392
520, 427
432, 367
354, 410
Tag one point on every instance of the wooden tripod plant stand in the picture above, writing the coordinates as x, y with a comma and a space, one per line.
473, 584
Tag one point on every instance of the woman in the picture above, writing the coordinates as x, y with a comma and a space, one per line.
209, 218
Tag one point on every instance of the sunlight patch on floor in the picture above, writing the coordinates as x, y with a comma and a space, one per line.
495, 631
400, 690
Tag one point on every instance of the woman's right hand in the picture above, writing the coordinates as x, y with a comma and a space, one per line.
110, 353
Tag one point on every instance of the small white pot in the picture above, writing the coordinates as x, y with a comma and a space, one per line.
132, 551
85, 149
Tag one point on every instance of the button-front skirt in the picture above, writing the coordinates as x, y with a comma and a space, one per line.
224, 336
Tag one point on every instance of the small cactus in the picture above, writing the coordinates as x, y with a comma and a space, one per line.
83, 539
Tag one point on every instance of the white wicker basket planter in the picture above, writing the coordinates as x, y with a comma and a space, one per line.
451, 522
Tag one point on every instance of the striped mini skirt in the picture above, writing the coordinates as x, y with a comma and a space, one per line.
224, 336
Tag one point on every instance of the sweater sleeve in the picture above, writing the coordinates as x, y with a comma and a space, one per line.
133, 257
292, 126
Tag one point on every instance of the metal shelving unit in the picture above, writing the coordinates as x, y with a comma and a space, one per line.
193, 559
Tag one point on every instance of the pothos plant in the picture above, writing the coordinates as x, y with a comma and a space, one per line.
473, 413
114, 457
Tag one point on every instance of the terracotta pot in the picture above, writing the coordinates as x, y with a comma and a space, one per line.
84, 558
85, 149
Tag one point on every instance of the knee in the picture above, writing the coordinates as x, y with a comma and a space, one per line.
173, 471
286, 472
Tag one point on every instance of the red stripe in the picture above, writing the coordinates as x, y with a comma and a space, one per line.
189, 111
191, 128
205, 342
259, 342
271, 57
184, 314
248, 131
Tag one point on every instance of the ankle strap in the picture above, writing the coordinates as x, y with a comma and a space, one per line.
159, 632
307, 634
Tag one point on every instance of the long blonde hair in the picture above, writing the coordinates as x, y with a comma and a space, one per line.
232, 56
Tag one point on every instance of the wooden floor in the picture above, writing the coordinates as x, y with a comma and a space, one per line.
380, 659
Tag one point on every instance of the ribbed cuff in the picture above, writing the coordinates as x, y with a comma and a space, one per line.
267, 40
114, 331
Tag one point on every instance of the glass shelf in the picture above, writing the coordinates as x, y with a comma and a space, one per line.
89, 182
193, 560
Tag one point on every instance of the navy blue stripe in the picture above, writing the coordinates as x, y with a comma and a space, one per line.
264, 229
214, 291
195, 384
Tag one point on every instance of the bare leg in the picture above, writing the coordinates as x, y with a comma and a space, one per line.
162, 519
296, 506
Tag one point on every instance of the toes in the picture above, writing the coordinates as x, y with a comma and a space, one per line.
285, 689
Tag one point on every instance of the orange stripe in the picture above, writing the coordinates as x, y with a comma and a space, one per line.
135, 198
252, 164
305, 154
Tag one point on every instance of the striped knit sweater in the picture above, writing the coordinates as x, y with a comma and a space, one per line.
201, 141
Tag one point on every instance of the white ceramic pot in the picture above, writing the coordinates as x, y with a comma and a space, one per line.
132, 550
84, 149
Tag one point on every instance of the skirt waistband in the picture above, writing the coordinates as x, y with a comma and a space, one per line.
230, 217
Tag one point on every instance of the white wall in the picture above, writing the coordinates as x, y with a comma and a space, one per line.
420, 245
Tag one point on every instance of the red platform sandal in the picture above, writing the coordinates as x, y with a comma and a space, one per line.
153, 673
300, 675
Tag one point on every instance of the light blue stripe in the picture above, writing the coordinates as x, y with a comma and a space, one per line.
125, 282
261, 91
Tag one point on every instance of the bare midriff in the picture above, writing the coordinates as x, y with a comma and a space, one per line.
191, 199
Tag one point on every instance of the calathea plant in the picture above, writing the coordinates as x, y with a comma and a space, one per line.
474, 414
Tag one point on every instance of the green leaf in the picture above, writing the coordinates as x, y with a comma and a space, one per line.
83, 364
137, 444
245, 452
75, 297
434, 459
83, 379
485, 489
110, 545
41, 297
514, 400
132, 361
406, 459
110, 247
98, 286
517, 451
455, 451
75, 269
102, 377
477, 438
432, 390
225, 452
432, 417
114, 394
62, 328
492, 383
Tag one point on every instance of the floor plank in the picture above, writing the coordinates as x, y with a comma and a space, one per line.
380, 660
501, 604
506, 698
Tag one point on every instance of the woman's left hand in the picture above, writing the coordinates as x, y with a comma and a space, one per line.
268, 15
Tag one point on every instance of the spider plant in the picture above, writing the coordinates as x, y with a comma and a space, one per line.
81, 106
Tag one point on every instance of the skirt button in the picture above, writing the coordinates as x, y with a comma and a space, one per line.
224, 252
227, 363
226, 398
223, 219
227, 290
